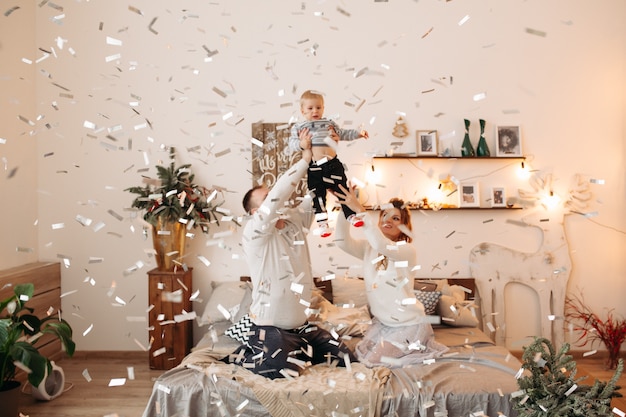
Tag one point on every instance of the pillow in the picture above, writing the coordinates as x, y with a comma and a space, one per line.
457, 291
349, 292
429, 300
457, 313
244, 306
240, 331
213, 335
317, 299
228, 295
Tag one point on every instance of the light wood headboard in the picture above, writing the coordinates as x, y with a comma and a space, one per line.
327, 286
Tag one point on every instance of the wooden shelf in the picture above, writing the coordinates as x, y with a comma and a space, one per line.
507, 159
465, 158
454, 208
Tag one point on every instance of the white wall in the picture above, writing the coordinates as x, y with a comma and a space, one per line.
564, 87
18, 138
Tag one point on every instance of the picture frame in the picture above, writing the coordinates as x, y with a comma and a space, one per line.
426, 142
508, 141
498, 197
469, 195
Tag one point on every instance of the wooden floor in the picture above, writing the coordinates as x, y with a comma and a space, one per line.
97, 399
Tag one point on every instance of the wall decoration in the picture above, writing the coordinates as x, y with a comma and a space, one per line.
470, 195
508, 141
466, 147
427, 143
498, 197
482, 149
400, 130
550, 260
271, 155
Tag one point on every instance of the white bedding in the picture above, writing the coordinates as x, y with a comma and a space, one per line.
474, 376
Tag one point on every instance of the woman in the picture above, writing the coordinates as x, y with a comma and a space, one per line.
399, 334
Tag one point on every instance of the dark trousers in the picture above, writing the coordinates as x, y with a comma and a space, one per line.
325, 177
270, 348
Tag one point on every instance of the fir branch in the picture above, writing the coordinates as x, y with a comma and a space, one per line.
552, 390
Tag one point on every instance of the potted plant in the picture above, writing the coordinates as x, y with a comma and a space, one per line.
593, 329
174, 204
20, 330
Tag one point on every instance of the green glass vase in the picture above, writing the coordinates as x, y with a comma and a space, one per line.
466, 148
482, 149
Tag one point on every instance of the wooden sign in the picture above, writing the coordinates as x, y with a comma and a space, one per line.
272, 156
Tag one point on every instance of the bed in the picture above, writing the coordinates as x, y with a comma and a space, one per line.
473, 378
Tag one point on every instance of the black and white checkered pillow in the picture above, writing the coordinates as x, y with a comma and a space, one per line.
429, 299
240, 331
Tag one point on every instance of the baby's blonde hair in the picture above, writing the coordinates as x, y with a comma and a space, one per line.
311, 94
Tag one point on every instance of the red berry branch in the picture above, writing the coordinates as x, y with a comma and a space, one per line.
592, 329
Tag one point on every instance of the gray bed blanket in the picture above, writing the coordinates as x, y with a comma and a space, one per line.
474, 377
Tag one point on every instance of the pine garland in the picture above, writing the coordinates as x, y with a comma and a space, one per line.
552, 390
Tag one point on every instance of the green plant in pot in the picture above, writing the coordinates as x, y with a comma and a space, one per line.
594, 329
20, 330
173, 204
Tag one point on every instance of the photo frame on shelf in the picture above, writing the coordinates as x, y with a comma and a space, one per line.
426, 142
470, 195
498, 197
508, 141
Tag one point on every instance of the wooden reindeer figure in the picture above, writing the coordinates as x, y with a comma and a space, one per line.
546, 270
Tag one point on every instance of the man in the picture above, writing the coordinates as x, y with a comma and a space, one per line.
281, 342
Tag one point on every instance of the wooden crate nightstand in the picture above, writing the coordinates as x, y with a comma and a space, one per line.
46, 277
169, 293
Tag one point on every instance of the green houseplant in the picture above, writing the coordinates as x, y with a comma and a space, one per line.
174, 197
174, 204
20, 330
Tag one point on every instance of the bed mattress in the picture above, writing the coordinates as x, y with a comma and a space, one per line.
475, 377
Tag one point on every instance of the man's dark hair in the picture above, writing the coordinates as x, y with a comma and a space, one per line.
246, 198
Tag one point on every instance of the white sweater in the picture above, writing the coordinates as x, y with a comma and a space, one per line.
388, 291
279, 261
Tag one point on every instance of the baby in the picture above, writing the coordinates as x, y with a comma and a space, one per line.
326, 172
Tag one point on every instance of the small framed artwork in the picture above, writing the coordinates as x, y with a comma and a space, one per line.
470, 195
427, 143
508, 141
498, 197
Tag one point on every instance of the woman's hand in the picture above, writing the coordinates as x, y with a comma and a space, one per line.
348, 197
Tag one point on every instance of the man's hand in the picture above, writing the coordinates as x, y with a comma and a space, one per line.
305, 138
307, 155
